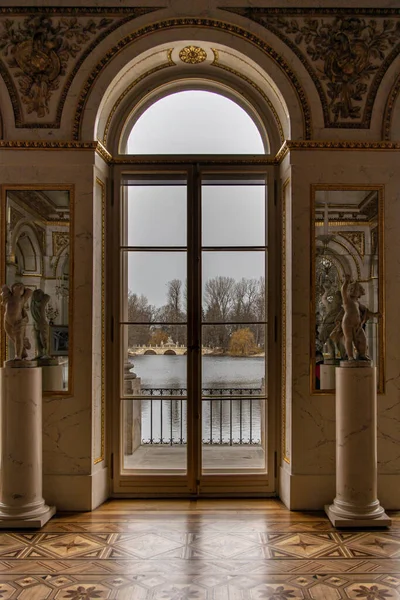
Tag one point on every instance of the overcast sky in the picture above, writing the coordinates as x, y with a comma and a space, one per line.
193, 122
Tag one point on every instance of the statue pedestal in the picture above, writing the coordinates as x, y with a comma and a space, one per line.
52, 378
21, 501
356, 503
327, 377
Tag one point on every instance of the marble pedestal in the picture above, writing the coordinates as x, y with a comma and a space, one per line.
356, 503
52, 378
327, 377
21, 501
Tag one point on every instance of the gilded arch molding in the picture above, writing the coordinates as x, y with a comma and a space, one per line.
168, 56
201, 23
38, 47
345, 51
390, 104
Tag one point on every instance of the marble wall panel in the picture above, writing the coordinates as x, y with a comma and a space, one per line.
67, 421
313, 416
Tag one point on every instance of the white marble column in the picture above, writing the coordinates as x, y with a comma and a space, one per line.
21, 501
356, 503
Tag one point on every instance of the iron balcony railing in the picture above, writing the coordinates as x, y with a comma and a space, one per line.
230, 416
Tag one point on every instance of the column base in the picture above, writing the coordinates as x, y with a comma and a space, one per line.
337, 521
13, 522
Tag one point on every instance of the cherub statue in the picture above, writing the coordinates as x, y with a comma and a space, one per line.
40, 325
14, 300
355, 316
333, 313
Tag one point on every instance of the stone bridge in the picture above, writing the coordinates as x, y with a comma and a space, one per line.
166, 349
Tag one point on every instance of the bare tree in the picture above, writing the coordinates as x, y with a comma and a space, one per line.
218, 302
139, 311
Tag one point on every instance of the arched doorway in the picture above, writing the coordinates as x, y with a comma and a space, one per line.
194, 216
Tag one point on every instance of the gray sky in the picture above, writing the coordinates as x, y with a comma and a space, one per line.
193, 122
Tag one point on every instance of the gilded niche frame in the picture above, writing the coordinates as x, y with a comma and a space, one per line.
380, 343
57, 241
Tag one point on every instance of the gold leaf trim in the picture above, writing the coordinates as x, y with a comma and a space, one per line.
216, 63
103, 322
169, 63
388, 115
193, 55
285, 455
200, 23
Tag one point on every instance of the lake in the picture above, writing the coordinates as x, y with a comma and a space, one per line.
223, 421
218, 371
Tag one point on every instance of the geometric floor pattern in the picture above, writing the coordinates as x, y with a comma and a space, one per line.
200, 550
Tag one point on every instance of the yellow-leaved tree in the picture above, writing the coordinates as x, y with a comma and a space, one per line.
242, 343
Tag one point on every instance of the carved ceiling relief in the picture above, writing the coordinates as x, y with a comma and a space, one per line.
346, 55
40, 53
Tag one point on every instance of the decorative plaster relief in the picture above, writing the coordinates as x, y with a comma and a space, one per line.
197, 22
192, 55
41, 52
345, 52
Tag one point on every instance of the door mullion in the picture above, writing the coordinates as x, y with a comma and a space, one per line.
194, 325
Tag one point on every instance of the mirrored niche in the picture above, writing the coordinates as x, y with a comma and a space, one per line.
36, 233
347, 240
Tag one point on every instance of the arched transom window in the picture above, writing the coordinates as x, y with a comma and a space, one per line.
195, 122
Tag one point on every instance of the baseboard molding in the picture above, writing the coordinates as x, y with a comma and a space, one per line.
306, 492
312, 492
76, 492
100, 488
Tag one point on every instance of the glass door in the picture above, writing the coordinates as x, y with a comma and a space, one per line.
191, 334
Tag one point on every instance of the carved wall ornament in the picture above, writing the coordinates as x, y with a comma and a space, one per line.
357, 239
60, 240
41, 50
194, 22
346, 54
192, 55
15, 217
37, 51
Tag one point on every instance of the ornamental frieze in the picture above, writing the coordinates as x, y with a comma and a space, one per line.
40, 53
346, 54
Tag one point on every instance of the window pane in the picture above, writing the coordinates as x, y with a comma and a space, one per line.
156, 286
233, 434
195, 122
234, 286
155, 215
154, 434
233, 215
154, 360
233, 360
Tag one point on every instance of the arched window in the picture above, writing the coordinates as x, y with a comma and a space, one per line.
195, 122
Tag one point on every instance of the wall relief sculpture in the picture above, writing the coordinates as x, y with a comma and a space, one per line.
38, 49
40, 53
345, 54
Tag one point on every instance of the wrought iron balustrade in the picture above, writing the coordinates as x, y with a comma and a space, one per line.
166, 391
230, 416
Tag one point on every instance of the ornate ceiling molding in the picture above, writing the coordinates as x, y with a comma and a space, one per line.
201, 23
37, 51
346, 52
388, 114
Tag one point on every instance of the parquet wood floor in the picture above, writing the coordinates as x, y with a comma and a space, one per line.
198, 550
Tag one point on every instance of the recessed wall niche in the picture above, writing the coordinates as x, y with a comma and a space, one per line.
347, 239
36, 224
